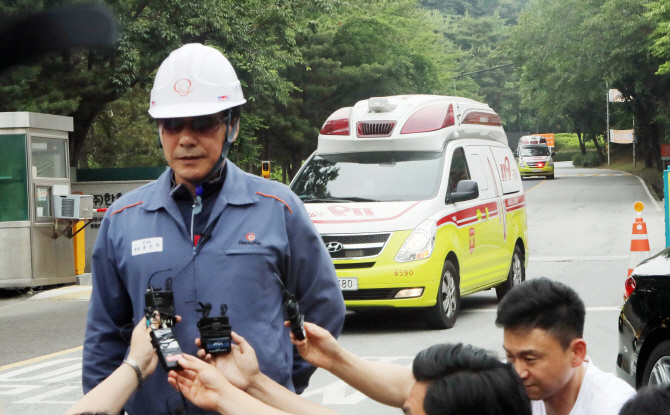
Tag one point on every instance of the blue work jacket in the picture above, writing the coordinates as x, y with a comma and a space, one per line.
256, 229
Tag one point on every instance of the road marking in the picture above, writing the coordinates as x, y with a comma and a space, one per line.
646, 189
60, 391
537, 185
40, 358
493, 310
76, 292
577, 258
18, 389
12, 376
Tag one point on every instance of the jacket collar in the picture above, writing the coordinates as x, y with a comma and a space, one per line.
236, 190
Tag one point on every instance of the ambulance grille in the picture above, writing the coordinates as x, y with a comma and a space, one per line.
67, 208
375, 128
355, 246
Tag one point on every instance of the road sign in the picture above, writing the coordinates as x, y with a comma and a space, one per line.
622, 136
549, 137
665, 151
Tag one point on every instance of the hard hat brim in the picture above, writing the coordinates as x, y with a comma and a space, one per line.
192, 110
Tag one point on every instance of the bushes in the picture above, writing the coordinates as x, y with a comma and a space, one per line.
565, 155
590, 159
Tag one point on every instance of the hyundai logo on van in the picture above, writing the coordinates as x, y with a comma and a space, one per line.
334, 247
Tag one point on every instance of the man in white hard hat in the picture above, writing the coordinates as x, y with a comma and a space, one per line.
217, 235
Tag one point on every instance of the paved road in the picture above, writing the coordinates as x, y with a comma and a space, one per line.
580, 226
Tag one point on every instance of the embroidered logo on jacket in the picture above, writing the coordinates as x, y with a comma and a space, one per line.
250, 240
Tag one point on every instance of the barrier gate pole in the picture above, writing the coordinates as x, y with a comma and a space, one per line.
666, 202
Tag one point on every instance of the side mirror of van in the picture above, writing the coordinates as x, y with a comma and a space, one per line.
465, 190
516, 154
553, 154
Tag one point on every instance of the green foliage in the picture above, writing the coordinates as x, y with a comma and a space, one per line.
508, 9
370, 48
258, 36
590, 159
659, 11
566, 68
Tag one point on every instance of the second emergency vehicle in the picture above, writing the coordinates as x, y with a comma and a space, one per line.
534, 157
419, 202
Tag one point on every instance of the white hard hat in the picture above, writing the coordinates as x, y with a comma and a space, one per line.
194, 80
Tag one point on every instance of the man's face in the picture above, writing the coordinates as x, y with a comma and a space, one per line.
542, 364
414, 403
192, 154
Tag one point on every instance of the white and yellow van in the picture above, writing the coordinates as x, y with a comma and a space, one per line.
419, 202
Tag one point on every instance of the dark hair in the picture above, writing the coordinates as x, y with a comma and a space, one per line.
465, 380
649, 401
545, 304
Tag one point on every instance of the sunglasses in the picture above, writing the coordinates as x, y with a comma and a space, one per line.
207, 124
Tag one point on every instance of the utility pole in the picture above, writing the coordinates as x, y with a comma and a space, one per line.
634, 139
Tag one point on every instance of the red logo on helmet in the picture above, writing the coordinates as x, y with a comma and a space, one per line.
183, 87
250, 237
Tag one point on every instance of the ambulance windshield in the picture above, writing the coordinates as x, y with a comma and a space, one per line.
534, 151
368, 177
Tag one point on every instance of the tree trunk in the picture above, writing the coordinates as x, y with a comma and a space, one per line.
594, 137
284, 170
296, 161
582, 146
83, 119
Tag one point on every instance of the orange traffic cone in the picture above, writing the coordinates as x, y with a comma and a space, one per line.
639, 245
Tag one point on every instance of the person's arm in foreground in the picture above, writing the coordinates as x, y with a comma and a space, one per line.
203, 384
384, 382
240, 367
110, 395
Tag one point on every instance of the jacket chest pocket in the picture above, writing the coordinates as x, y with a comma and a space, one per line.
251, 267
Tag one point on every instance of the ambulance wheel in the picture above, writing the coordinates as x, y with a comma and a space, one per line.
443, 314
516, 275
551, 177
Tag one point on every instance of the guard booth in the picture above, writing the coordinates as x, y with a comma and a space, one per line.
37, 212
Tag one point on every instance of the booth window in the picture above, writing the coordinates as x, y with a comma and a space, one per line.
43, 202
13, 178
49, 158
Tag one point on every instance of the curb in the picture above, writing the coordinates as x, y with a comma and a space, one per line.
84, 279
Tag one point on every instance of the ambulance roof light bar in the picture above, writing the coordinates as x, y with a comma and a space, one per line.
430, 118
337, 123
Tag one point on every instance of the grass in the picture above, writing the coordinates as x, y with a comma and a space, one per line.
621, 158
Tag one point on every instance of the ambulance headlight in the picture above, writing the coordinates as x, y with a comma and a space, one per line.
521, 163
419, 244
550, 163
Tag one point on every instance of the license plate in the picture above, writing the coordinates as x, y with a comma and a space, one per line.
537, 170
348, 284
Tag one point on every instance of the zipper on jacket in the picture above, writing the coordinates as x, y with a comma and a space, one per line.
197, 208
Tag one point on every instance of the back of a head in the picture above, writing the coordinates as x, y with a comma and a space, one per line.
465, 380
545, 304
650, 401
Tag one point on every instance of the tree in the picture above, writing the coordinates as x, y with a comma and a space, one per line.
370, 48
257, 36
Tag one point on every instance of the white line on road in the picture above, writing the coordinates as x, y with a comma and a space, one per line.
577, 258
646, 189
61, 291
60, 391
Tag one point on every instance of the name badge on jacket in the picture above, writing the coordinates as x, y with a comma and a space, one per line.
145, 246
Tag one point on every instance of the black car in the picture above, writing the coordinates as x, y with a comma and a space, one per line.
644, 324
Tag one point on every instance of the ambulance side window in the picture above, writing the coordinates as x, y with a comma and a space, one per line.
459, 169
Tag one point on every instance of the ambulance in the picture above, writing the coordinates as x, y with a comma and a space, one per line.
534, 157
419, 202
